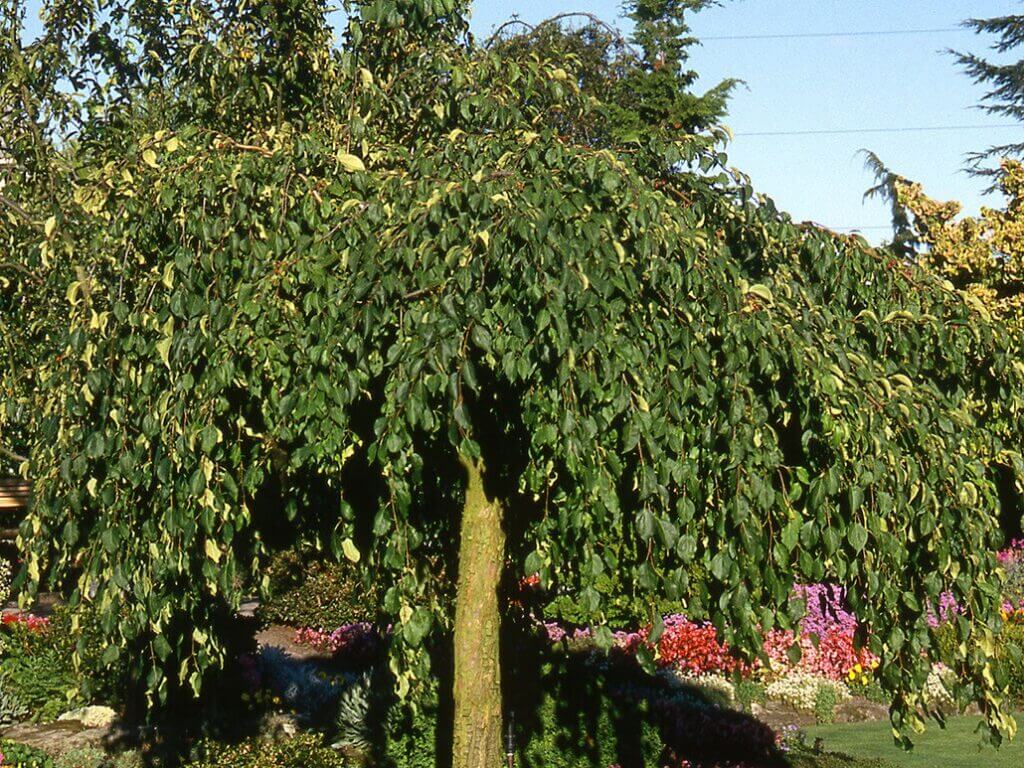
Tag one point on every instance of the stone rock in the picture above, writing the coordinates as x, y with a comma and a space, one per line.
91, 717
859, 710
56, 738
279, 726
776, 715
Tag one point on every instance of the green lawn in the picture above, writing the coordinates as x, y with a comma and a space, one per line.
958, 746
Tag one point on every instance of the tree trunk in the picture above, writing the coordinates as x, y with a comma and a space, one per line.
477, 695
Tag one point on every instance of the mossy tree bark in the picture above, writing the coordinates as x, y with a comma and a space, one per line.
477, 695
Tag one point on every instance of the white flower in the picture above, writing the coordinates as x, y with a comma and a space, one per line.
800, 690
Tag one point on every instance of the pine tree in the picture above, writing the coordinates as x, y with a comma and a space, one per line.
1005, 96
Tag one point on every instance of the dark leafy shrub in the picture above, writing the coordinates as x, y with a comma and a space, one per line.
573, 733
825, 701
1013, 588
410, 735
805, 757
93, 757
12, 709
748, 693
37, 669
622, 609
305, 592
302, 751
21, 756
1012, 648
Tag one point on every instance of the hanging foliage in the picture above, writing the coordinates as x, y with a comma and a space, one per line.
402, 281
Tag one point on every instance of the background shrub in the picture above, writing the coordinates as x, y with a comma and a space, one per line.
37, 670
22, 756
302, 751
1011, 647
621, 608
307, 592
748, 693
91, 757
1013, 587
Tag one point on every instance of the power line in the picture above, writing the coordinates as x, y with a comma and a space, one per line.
905, 129
870, 33
880, 226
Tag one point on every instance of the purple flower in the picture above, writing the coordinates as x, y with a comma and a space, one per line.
826, 609
948, 609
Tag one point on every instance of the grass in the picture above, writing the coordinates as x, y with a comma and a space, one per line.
956, 746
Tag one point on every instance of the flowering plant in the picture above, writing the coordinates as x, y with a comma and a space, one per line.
799, 689
28, 620
693, 647
356, 641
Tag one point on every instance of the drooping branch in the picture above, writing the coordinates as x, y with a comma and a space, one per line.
12, 455
16, 208
534, 29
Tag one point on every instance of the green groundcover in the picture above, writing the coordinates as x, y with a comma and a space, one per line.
959, 745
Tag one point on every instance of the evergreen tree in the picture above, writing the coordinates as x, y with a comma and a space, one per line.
642, 84
1004, 81
886, 188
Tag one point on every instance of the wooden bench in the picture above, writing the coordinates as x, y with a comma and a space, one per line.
13, 494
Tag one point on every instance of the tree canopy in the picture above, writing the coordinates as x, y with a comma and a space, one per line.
639, 86
364, 291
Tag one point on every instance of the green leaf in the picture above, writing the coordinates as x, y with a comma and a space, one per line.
350, 163
857, 535
418, 625
350, 550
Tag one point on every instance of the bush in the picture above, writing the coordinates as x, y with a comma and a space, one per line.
748, 693
1013, 661
37, 671
91, 757
301, 751
621, 608
410, 736
21, 756
316, 593
573, 722
6, 573
825, 701
42, 683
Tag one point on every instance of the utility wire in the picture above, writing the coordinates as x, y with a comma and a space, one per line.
876, 33
880, 226
915, 129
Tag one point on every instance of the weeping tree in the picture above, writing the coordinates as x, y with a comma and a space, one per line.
379, 281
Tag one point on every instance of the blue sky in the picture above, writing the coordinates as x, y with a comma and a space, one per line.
834, 83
